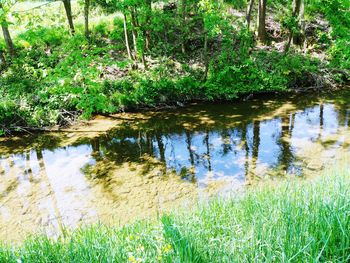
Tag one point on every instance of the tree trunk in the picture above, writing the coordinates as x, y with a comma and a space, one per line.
135, 25
144, 62
289, 42
86, 17
134, 32
148, 24
299, 39
205, 57
295, 13
2, 60
183, 16
262, 21
8, 40
126, 37
298, 13
68, 8
249, 13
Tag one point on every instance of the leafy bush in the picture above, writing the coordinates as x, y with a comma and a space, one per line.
43, 36
54, 72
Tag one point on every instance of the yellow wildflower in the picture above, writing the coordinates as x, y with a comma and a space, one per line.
24, 44
132, 259
167, 248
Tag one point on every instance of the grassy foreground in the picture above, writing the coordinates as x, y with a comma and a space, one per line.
294, 222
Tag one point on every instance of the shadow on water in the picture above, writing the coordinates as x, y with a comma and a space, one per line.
230, 140
243, 141
203, 140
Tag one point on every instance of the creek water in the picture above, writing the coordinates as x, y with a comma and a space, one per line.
158, 161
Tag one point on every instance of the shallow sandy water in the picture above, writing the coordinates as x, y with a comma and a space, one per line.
131, 166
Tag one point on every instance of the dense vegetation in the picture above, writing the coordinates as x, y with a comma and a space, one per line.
290, 222
128, 54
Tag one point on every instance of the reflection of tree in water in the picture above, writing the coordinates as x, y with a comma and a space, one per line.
199, 147
185, 172
45, 177
190, 151
246, 149
207, 154
11, 182
255, 149
19, 174
286, 156
131, 146
26, 142
321, 120
227, 143
161, 148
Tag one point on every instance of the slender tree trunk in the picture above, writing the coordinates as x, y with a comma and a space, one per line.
8, 40
126, 37
144, 62
183, 16
297, 4
300, 40
148, 24
303, 25
135, 25
298, 12
286, 49
68, 8
2, 60
262, 21
134, 32
86, 17
205, 57
249, 13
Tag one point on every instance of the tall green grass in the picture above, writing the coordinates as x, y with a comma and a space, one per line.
305, 221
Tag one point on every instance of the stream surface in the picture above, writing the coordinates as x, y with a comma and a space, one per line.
159, 161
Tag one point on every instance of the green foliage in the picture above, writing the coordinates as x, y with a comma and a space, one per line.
43, 36
55, 73
338, 15
264, 72
340, 54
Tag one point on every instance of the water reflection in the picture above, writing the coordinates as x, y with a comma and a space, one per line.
240, 150
154, 161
